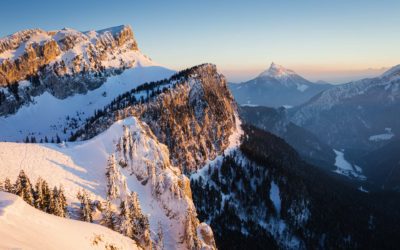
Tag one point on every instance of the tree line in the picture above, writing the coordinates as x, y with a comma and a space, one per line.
40, 195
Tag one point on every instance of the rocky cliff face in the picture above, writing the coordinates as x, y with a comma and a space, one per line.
193, 113
195, 119
62, 62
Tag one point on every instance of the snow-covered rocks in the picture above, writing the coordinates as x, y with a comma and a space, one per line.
63, 62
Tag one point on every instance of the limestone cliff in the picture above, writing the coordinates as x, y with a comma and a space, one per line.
63, 62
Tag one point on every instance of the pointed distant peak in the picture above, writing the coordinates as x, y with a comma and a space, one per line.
276, 70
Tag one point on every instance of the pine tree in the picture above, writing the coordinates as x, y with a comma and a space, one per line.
48, 198
58, 139
1, 186
46, 140
140, 222
125, 219
59, 209
23, 188
108, 218
8, 187
63, 201
33, 139
86, 206
112, 174
39, 195
51, 208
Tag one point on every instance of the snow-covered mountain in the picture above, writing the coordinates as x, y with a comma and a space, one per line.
361, 114
24, 227
52, 95
86, 80
117, 136
275, 87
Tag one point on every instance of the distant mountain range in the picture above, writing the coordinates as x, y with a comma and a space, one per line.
363, 118
360, 120
362, 114
276, 87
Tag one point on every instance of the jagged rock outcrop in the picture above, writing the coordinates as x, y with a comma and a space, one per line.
62, 62
195, 119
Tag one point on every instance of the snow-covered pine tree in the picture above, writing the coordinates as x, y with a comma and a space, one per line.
23, 188
140, 222
108, 216
113, 175
51, 209
1, 186
63, 201
86, 206
39, 195
59, 208
48, 204
8, 187
125, 219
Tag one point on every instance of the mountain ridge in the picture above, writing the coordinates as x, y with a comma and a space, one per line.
63, 62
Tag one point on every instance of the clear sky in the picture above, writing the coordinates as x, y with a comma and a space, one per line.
334, 40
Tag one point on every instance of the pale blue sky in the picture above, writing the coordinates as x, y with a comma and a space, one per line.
330, 40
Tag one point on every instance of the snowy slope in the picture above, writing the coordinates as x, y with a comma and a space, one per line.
165, 197
345, 168
24, 227
48, 115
